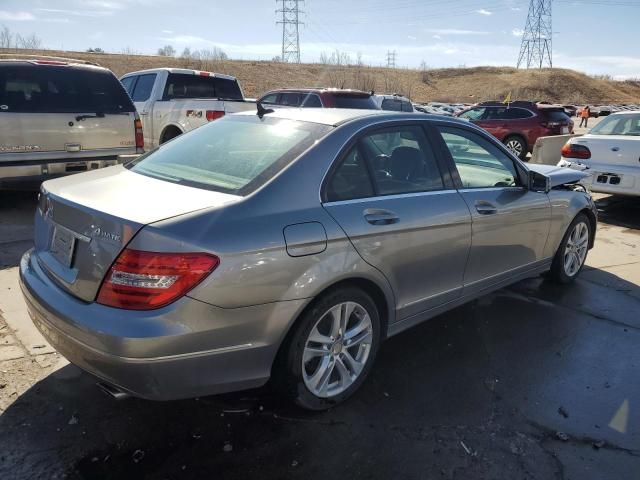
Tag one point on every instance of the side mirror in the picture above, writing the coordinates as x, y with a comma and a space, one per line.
539, 182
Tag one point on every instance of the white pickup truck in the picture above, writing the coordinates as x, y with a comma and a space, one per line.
172, 101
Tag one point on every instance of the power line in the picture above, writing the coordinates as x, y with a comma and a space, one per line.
289, 18
536, 48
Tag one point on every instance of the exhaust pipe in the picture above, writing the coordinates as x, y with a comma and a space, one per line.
113, 392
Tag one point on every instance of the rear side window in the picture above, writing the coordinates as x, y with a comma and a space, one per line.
180, 85
517, 113
351, 179
311, 101
61, 89
407, 107
357, 102
555, 115
392, 104
143, 87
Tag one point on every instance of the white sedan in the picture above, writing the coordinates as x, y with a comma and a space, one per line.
610, 152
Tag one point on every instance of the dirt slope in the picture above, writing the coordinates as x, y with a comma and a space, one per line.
451, 84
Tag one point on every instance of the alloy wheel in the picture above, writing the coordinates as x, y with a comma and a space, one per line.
337, 349
575, 251
515, 146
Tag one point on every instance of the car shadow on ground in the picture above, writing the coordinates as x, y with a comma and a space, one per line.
480, 391
619, 211
16, 225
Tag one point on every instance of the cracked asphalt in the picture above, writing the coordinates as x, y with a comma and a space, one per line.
536, 381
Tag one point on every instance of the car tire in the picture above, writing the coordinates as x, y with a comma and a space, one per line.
313, 367
572, 252
517, 146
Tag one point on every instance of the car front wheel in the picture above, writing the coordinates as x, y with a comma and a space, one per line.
572, 253
331, 350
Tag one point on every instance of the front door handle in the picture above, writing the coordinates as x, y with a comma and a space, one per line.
380, 217
486, 208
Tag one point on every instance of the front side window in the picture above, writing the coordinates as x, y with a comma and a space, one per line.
143, 87
289, 99
271, 99
479, 163
235, 154
473, 114
495, 113
517, 113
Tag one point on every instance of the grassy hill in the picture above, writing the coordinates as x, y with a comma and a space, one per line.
449, 84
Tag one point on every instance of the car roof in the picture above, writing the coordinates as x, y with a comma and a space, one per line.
43, 63
319, 90
184, 71
338, 116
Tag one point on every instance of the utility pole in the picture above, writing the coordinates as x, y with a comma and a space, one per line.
536, 48
289, 16
391, 59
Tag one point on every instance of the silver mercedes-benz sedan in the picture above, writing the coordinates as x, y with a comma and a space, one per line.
288, 245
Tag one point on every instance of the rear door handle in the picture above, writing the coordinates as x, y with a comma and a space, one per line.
143, 113
380, 217
486, 208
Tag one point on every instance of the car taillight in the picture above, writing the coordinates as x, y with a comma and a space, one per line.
146, 280
214, 114
139, 135
573, 150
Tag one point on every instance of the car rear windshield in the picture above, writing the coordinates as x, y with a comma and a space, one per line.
352, 101
555, 115
61, 89
627, 124
236, 154
184, 85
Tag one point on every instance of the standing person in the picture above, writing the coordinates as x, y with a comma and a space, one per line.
584, 116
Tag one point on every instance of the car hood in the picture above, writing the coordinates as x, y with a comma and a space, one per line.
558, 175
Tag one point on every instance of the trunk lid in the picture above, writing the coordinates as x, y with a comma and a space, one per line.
84, 221
614, 149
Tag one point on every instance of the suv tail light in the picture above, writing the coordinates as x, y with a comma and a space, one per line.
139, 135
573, 150
146, 280
214, 115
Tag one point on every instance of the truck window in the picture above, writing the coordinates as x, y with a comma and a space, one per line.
128, 83
143, 87
61, 89
184, 85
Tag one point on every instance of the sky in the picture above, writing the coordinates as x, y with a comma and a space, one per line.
592, 36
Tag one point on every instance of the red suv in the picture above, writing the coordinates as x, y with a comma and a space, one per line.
319, 98
519, 124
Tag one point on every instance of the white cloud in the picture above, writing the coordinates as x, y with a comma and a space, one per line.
482, 11
515, 9
455, 31
78, 13
167, 32
517, 32
625, 67
411, 37
16, 16
437, 37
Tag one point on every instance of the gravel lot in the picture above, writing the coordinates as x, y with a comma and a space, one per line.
534, 381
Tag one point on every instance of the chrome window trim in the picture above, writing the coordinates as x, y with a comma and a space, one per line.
388, 197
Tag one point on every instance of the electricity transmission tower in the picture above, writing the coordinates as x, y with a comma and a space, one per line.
290, 20
536, 48
391, 59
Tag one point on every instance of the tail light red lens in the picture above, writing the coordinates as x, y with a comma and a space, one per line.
147, 280
139, 135
572, 150
214, 114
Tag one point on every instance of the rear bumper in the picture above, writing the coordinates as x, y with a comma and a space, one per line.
608, 178
187, 349
29, 174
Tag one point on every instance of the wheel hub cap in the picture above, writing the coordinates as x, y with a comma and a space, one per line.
337, 349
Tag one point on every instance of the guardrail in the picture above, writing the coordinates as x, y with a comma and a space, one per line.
546, 151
